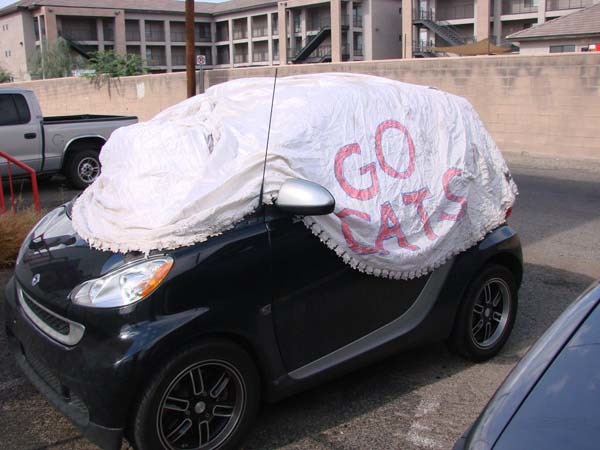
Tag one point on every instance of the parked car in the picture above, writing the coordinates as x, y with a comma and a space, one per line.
67, 144
551, 398
258, 313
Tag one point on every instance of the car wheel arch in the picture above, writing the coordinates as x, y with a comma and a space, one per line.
82, 143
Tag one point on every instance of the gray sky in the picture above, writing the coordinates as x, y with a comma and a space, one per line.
3, 3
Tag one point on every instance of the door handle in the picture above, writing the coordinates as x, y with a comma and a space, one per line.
30, 135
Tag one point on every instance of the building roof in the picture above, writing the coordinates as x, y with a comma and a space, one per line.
143, 5
583, 22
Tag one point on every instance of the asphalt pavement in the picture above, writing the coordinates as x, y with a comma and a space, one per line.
423, 399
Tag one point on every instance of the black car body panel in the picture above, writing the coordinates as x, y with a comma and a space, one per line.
267, 284
550, 399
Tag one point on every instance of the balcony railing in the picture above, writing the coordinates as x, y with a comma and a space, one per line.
240, 58
223, 35
456, 12
260, 56
357, 21
178, 60
419, 46
275, 31
240, 33
358, 51
202, 36
555, 5
156, 61
79, 35
132, 35
155, 36
260, 31
223, 59
518, 7
177, 36
423, 14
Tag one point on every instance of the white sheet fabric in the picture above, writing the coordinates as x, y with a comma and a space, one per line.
415, 175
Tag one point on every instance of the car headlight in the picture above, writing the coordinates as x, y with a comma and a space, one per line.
124, 286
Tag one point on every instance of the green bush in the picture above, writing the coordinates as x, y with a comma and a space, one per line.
109, 63
5, 76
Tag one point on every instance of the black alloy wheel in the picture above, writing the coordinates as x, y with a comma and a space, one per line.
487, 314
204, 399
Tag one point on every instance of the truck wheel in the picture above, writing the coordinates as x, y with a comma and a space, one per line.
83, 167
205, 397
486, 315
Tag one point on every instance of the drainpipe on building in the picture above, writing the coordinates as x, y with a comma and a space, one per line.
190, 48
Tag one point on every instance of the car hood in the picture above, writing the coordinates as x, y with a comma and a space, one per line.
54, 259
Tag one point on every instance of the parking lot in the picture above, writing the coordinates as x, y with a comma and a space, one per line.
423, 399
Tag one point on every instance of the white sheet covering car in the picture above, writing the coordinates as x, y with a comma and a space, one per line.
414, 173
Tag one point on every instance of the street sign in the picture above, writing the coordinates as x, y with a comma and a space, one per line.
200, 60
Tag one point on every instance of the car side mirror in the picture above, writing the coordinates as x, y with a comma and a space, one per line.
304, 198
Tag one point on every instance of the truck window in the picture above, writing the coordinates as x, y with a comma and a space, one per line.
13, 110
22, 108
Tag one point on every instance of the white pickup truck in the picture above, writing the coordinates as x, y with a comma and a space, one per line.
67, 144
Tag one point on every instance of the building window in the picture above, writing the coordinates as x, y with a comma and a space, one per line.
562, 48
132, 30
155, 31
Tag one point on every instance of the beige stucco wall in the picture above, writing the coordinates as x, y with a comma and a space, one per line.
546, 104
13, 40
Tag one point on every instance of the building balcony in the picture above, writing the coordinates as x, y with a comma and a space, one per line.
240, 33
155, 36
240, 58
556, 5
258, 32
519, 6
455, 12
260, 56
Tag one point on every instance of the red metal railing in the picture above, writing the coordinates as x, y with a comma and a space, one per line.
34, 185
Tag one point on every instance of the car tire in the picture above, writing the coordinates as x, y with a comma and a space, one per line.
82, 168
486, 315
205, 397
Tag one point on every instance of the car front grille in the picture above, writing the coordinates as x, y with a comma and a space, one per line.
56, 323
57, 327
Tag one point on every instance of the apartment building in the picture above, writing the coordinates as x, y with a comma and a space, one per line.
438, 23
236, 33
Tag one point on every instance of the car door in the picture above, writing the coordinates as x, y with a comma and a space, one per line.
321, 304
20, 133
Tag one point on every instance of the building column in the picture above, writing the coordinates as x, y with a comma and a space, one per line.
231, 54
349, 13
250, 43
407, 29
51, 27
100, 33
498, 20
120, 40
482, 19
282, 32
336, 31
541, 15
213, 39
270, 38
292, 31
143, 41
303, 26
168, 55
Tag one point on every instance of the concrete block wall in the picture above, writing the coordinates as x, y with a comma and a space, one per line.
547, 105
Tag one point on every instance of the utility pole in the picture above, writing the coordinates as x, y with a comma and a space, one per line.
190, 48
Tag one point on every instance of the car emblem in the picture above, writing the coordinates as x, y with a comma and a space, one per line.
36, 279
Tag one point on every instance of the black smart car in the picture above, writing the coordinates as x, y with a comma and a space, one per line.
208, 331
